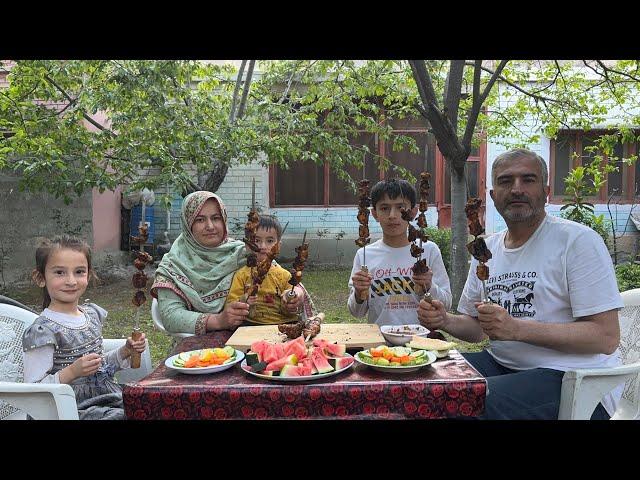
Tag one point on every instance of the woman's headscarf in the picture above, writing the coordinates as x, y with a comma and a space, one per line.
200, 275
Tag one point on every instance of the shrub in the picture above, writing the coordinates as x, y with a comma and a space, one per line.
442, 238
628, 276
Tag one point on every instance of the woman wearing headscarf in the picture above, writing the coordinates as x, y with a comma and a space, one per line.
194, 277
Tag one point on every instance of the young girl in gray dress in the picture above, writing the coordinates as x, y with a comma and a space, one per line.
64, 344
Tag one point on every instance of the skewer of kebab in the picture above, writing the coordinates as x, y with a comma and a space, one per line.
139, 281
250, 227
477, 247
364, 201
309, 327
302, 253
420, 233
262, 268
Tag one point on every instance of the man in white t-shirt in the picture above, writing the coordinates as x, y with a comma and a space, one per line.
554, 299
389, 285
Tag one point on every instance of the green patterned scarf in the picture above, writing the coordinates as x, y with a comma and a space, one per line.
201, 276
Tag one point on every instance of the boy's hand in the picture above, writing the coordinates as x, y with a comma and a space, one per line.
252, 299
423, 279
292, 304
361, 283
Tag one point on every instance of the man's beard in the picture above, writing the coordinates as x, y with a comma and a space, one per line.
522, 215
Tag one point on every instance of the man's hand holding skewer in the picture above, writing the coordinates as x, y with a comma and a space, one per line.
432, 315
496, 322
361, 283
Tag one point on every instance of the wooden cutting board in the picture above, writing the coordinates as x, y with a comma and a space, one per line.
353, 335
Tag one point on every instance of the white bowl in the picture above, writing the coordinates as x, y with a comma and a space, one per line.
401, 334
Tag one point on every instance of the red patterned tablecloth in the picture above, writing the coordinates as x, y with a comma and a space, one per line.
450, 387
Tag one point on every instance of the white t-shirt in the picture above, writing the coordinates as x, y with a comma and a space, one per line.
563, 272
392, 298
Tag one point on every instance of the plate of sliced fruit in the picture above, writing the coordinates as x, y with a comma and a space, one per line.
395, 359
207, 360
295, 361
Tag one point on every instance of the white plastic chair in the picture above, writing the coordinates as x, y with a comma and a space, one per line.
42, 401
583, 389
157, 321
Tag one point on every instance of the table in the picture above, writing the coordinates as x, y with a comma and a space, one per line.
450, 387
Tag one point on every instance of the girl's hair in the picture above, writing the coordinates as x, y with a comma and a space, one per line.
58, 242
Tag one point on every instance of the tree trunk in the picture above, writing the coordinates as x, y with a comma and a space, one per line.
459, 234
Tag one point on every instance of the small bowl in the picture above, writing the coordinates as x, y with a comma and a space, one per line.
401, 334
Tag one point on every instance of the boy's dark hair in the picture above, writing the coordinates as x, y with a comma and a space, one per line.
269, 222
393, 188
58, 242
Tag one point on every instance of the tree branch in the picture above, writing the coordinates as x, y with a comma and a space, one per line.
84, 114
478, 100
245, 91
236, 89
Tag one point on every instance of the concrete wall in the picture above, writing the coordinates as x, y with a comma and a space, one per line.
26, 217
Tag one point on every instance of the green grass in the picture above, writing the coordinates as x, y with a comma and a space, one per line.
328, 289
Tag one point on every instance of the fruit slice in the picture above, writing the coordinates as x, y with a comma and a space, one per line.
290, 371
341, 362
320, 361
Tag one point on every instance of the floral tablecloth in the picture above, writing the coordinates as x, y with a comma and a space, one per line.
450, 387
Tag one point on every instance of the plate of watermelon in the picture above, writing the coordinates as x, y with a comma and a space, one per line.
207, 360
295, 361
395, 359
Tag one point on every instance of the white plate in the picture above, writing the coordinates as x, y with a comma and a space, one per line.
200, 370
399, 369
306, 378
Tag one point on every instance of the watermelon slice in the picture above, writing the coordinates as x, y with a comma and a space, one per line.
320, 361
335, 349
304, 370
281, 362
289, 371
340, 363
319, 342
270, 353
259, 347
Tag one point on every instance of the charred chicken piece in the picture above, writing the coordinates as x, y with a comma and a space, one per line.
482, 271
139, 298
291, 330
472, 210
420, 267
144, 257
363, 216
479, 250
412, 233
252, 260
416, 251
140, 280
143, 235
253, 219
361, 242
